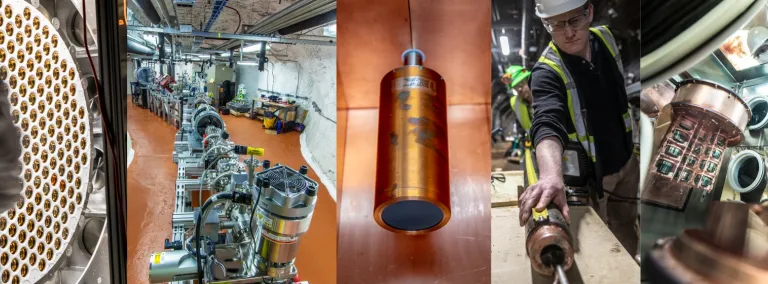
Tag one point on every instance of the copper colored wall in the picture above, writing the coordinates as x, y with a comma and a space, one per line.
372, 36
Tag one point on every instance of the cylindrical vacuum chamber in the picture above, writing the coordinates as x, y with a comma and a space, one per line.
747, 175
412, 174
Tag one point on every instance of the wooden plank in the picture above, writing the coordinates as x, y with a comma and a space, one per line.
505, 193
599, 257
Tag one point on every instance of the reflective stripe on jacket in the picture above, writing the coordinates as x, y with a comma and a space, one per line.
522, 111
551, 57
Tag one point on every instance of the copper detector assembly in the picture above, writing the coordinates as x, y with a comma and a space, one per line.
706, 118
412, 174
548, 242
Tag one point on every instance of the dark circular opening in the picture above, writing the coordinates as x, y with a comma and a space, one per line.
206, 121
412, 215
552, 255
759, 112
747, 173
91, 234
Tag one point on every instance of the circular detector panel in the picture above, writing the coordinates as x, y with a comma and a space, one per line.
49, 106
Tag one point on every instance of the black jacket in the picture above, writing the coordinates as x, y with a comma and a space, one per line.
600, 85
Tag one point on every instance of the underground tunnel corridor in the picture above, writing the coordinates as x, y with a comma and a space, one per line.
151, 182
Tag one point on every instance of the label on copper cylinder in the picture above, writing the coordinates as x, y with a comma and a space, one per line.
414, 82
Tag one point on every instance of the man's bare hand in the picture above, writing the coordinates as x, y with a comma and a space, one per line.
540, 195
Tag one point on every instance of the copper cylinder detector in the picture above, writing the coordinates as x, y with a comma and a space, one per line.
548, 242
412, 174
706, 118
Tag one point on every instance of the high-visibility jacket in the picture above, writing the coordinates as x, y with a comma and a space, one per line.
551, 57
521, 109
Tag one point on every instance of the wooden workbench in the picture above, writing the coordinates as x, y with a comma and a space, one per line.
505, 193
599, 257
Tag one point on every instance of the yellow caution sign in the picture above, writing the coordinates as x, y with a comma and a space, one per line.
254, 151
540, 216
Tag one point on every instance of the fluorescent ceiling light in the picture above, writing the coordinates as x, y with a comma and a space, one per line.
247, 63
254, 48
504, 45
330, 30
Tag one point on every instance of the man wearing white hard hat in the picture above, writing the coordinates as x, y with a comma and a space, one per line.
582, 110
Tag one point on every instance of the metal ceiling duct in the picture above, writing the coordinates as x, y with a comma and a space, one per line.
298, 12
134, 47
149, 11
281, 20
315, 21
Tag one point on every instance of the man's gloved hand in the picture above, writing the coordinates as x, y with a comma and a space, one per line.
10, 150
539, 196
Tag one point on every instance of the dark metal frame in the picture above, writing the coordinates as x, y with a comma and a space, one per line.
112, 37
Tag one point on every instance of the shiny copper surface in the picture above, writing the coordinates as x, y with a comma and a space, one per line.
711, 100
276, 251
412, 159
457, 253
694, 249
706, 118
552, 230
722, 252
373, 35
653, 99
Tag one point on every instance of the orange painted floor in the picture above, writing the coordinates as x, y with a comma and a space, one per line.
151, 181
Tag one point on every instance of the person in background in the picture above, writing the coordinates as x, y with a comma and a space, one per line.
581, 103
516, 78
10, 151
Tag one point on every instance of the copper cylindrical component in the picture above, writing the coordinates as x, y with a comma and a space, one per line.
727, 250
412, 173
706, 119
548, 241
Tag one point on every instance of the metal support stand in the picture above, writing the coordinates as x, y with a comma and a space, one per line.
112, 36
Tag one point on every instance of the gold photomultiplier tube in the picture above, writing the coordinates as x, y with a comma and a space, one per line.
412, 174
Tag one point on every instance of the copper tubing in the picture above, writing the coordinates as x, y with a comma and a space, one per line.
544, 235
412, 174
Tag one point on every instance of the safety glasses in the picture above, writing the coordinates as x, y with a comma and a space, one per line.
575, 22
